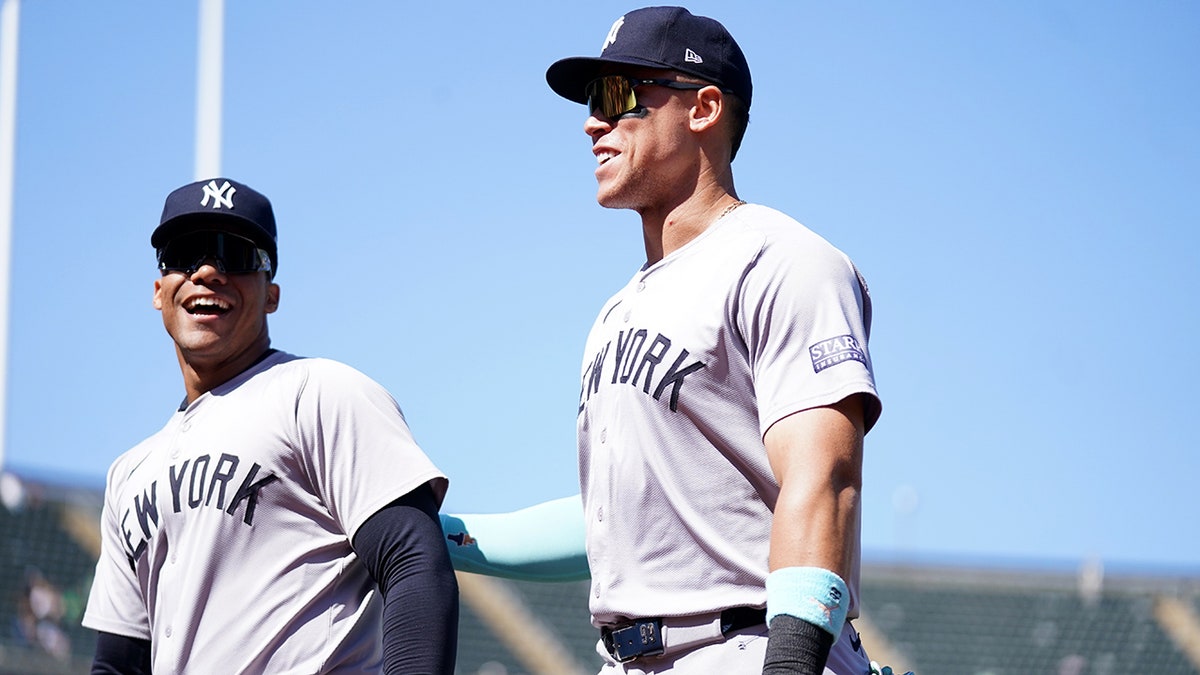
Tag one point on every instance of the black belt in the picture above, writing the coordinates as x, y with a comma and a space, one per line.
644, 637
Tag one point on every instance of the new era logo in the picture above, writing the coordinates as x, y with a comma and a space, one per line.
691, 57
221, 196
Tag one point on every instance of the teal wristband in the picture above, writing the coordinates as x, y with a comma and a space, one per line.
811, 594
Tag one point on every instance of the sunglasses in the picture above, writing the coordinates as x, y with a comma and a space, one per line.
230, 254
613, 95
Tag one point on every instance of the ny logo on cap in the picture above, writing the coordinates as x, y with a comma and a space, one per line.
221, 196
690, 56
612, 34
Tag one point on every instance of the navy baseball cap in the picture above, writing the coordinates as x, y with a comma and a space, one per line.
219, 204
659, 37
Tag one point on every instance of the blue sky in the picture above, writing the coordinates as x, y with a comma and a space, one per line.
1018, 182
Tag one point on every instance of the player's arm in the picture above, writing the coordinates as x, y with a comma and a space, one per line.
401, 547
816, 456
121, 655
540, 543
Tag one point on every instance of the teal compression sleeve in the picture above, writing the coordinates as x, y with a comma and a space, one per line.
540, 543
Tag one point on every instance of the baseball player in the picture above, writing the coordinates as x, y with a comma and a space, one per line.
284, 519
725, 390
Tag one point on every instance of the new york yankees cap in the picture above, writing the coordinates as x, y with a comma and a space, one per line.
219, 204
659, 37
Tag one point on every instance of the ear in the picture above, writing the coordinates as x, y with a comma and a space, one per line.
708, 108
272, 298
158, 303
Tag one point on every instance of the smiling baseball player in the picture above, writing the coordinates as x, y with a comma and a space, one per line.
284, 520
725, 390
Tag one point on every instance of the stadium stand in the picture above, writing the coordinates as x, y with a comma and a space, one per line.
936, 620
49, 541
992, 622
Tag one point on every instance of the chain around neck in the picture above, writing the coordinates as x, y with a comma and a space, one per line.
729, 209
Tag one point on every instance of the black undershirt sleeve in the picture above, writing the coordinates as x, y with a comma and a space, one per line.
121, 655
796, 647
401, 546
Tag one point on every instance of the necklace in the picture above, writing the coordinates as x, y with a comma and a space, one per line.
730, 208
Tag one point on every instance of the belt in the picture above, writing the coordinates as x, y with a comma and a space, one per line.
656, 637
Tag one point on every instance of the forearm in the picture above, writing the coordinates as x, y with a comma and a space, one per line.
807, 597
815, 526
401, 547
545, 542
420, 621
817, 458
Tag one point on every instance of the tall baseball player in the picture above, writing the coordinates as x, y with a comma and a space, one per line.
284, 520
725, 390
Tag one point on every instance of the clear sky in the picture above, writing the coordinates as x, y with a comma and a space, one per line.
1018, 182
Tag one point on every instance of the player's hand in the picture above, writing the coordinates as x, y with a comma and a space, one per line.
876, 669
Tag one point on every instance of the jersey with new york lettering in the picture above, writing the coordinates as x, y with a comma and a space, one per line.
685, 370
226, 535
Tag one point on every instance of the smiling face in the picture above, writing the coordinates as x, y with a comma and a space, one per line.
218, 321
645, 159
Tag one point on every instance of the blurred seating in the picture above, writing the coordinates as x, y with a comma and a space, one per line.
936, 620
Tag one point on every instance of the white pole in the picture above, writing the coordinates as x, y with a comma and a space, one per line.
208, 89
9, 14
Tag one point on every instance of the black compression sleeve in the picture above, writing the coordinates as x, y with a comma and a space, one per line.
401, 546
121, 655
796, 647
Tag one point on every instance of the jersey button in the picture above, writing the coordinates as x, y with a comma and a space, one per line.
604, 435
185, 426
167, 632
627, 316
641, 286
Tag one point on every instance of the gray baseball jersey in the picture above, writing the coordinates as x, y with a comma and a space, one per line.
685, 370
226, 535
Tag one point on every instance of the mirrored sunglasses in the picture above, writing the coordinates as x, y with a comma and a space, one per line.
613, 96
229, 253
